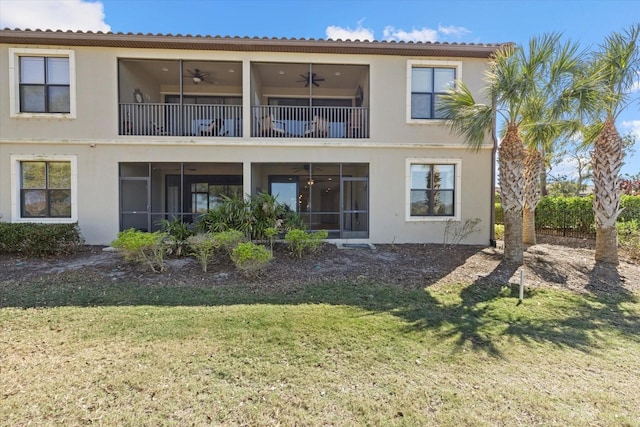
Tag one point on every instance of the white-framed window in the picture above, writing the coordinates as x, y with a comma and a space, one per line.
44, 189
433, 189
42, 83
427, 80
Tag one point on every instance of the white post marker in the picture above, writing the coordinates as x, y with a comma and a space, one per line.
521, 286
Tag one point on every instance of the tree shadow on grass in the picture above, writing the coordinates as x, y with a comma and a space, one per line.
465, 321
586, 315
478, 316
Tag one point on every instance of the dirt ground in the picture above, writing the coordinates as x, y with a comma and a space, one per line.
553, 262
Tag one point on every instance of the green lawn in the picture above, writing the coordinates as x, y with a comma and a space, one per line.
74, 353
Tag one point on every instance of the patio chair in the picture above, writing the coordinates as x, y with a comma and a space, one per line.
318, 128
215, 128
271, 127
157, 129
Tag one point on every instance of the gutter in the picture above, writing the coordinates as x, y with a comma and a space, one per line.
492, 211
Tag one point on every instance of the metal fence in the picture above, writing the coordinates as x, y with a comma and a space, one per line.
578, 223
566, 223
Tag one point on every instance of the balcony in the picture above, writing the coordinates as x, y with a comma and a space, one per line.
204, 99
310, 122
180, 120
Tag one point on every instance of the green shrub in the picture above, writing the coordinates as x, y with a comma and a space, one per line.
177, 233
203, 247
233, 213
629, 237
573, 213
499, 232
300, 241
250, 258
270, 233
266, 213
252, 217
34, 239
499, 213
145, 248
228, 240
631, 208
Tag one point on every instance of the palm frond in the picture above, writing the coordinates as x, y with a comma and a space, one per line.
617, 64
465, 117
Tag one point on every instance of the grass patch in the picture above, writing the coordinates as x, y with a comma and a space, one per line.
74, 352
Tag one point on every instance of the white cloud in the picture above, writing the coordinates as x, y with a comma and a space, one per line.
633, 126
359, 33
636, 84
75, 15
390, 33
452, 30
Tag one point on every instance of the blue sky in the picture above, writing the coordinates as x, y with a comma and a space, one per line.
402, 20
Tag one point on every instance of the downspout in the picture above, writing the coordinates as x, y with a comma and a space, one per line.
492, 211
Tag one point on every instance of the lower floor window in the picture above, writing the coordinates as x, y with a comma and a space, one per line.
45, 189
432, 188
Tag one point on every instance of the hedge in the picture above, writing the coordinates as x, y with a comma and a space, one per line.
574, 212
34, 239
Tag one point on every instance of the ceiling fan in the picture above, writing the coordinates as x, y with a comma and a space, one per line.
305, 167
310, 78
199, 76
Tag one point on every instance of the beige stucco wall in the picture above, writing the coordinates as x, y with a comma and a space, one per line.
97, 95
392, 141
98, 181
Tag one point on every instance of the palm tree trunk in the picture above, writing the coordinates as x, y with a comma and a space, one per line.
528, 226
607, 245
513, 246
543, 183
533, 164
511, 168
607, 158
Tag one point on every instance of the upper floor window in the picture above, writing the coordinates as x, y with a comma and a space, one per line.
427, 85
43, 82
427, 82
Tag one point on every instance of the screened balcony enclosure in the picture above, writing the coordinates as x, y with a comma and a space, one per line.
205, 99
327, 196
309, 100
180, 98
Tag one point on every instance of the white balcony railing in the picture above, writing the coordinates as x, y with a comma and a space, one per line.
226, 121
313, 122
181, 120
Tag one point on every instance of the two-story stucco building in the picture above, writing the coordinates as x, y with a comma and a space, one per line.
119, 130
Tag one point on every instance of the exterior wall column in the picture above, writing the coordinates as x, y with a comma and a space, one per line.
246, 179
246, 99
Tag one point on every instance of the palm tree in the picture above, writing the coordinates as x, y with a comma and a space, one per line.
513, 76
544, 122
615, 67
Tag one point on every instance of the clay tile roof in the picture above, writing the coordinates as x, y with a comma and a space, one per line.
246, 44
